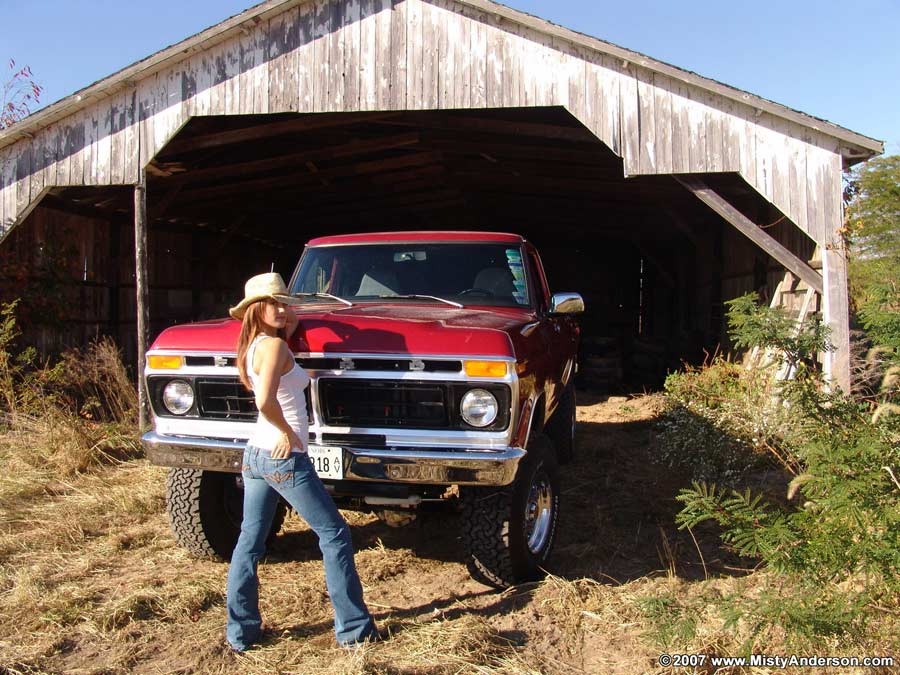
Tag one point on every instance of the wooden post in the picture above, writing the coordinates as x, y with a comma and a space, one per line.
140, 281
836, 314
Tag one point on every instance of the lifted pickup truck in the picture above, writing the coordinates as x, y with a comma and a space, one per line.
442, 371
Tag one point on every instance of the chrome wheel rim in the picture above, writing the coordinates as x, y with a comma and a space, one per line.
539, 513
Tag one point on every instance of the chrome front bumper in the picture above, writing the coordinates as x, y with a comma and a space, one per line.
459, 466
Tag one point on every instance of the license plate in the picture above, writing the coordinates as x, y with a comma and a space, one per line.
328, 461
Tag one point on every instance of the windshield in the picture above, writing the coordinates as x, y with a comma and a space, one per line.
468, 273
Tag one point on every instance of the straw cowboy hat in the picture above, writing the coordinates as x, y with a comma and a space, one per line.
268, 286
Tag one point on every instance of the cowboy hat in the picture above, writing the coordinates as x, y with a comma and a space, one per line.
268, 286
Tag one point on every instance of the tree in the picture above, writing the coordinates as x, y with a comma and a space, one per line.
873, 228
20, 92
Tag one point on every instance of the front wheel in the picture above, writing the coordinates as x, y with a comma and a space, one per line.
206, 509
509, 532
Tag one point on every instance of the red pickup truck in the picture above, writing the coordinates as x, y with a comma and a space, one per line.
442, 371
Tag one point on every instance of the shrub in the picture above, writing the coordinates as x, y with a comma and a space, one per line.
835, 539
67, 416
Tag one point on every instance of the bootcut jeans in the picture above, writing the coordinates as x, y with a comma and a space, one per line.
296, 480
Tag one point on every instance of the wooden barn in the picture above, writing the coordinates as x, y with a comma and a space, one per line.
655, 192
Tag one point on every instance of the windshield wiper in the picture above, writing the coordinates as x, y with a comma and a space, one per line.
416, 296
326, 296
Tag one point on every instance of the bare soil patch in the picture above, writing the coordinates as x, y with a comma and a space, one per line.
92, 582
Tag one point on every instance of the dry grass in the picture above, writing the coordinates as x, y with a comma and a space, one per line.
91, 581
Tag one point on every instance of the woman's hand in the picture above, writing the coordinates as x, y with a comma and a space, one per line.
285, 444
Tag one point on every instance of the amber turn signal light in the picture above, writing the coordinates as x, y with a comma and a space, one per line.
164, 362
485, 368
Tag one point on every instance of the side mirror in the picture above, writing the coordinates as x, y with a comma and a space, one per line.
566, 303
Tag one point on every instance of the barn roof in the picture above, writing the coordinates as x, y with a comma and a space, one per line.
854, 147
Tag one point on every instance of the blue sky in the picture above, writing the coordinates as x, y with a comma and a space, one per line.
836, 60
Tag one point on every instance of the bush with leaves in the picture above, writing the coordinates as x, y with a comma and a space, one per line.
836, 541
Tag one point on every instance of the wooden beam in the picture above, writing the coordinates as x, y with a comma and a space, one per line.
259, 131
142, 292
434, 120
298, 158
752, 231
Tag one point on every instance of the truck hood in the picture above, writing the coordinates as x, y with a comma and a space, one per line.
373, 329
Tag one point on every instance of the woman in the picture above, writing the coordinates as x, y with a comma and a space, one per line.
275, 463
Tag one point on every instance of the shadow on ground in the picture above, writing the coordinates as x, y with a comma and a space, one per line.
617, 520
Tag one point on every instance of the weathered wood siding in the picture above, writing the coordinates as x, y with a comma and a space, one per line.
353, 55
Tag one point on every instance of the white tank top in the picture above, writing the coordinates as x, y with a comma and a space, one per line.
292, 399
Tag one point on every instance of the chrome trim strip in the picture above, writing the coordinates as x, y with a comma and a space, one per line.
418, 466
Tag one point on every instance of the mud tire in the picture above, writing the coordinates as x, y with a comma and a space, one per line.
205, 511
496, 523
561, 427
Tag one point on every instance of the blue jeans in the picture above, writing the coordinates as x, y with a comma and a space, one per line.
296, 480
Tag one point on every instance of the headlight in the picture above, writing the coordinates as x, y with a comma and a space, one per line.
178, 397
479, 408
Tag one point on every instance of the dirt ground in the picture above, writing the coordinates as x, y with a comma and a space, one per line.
92, 582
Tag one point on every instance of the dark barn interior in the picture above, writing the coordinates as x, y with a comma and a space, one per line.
233, 196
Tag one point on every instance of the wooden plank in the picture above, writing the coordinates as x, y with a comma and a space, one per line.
629, 135
447, 33
496, 41
749, 229
144, 120
478, 63
39, 163
400, 54
321, 36
117, 139
664, 140
103, 148
351, 36
277, 60
230, 67
611, 106
512, 75
303, 58
646, 122
816, 163
335, 55
415, 55
131, 149
681, 145
463, 58
575, 85
696, 132
732, 127
713, 132
383, 45
219, 87
202, 68
82, 164
431, 61
797, 180
368, 54
22, 178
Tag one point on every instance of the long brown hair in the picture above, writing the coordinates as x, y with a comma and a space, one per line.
251, 326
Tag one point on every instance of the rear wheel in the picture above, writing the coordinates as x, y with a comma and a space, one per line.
205, 511
509, 532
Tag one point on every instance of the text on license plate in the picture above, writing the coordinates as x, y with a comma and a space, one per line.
327, 461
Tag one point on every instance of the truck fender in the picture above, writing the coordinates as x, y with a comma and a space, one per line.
531, 420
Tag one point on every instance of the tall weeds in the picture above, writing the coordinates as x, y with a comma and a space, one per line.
67, 416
